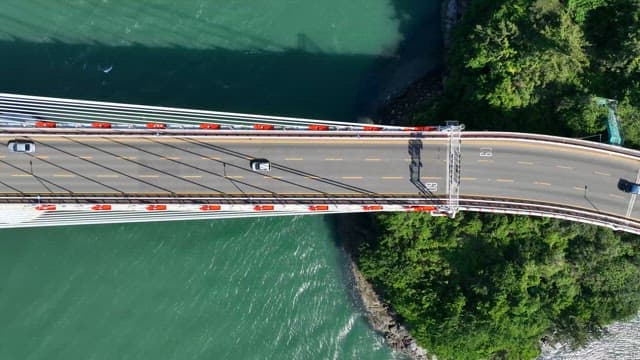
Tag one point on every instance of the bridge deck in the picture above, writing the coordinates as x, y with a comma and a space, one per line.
77, 165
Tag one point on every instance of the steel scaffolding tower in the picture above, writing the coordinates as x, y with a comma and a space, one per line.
453, 166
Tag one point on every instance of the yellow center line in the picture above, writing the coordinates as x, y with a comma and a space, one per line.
21, 175
579, 188
210, 158
352, 177
2, 156
272, 177
484, 161
372, 159
431, 177
616, 196
63, 175
148, 176
108, 176
601, 173
542, 183
564, 167
42, 156
468, 178
127, 157
504, 180
392, 177
86, 157
170, 158
312, 177
294, 159
333, 159
234, 176
192, 176
525, 163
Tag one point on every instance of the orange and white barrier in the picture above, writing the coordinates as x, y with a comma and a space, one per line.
421, 208
47, 207
209, 126
45, 124
317, 127
263, 208
156, 207
372, 207
210, 207
101, 125
101, 207
156, 125
263, 126
319, 208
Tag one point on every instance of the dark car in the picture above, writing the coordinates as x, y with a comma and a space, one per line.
628, 186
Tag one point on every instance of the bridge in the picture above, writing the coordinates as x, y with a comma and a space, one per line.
99, 162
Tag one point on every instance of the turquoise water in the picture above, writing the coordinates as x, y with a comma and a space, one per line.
236, 289
232, 289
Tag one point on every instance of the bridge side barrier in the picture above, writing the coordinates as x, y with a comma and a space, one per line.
19, 108
607, 148
433, 205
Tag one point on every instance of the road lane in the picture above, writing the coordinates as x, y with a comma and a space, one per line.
550, 173
216, 165
197, 165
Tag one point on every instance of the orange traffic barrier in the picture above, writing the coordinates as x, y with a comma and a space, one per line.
156, 125
319, 127
101, 125
101, 207
210, 207
318, 207
372, 207
46, 207
263, 207
422, 208
209, 126
45, 124
263, 126
156, 207
421, 128
372, 128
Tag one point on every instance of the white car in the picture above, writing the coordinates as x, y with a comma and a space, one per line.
25, 146
260, 165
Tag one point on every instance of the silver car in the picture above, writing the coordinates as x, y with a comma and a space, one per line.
260, 165
25, 146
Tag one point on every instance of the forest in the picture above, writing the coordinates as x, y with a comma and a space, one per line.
493, 287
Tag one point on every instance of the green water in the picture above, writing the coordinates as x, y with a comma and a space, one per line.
231, 289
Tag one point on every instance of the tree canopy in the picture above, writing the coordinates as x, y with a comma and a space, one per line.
535, 65
481, 286
489, 286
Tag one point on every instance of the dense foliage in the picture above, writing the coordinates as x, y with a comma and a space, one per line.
535, 66
479, 286
482, 286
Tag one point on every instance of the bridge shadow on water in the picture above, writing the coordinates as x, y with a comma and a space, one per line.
299, 80
291, 82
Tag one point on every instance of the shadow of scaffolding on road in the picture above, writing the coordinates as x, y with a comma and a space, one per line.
415, 151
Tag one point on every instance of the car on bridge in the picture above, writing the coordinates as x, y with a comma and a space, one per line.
260, 165
25, 146
628, 186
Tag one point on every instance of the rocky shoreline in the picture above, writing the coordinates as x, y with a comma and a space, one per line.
356, 229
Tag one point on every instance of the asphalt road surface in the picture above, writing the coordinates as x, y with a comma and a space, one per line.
162, 165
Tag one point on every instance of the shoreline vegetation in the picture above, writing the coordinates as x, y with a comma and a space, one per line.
484, 286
